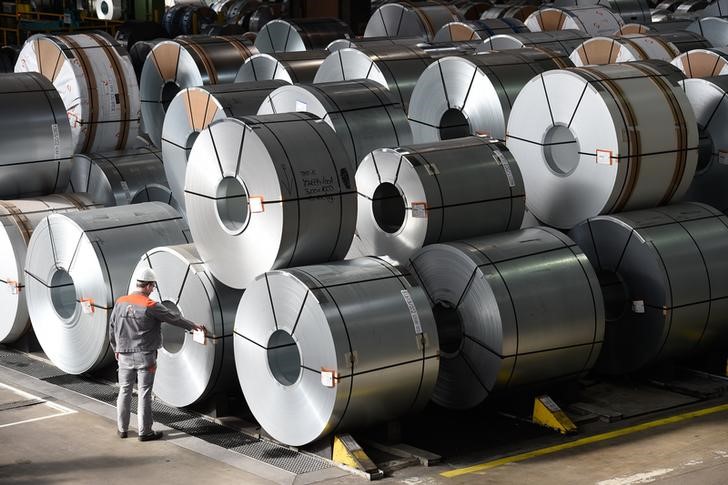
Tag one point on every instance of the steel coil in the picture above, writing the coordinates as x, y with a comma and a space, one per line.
184, 63
703, 62
8, 58
405, 19
76, 267
362, 113
471, 10
499, 11
626, 48
662, 273
683, 40
96, 80
171, 20
35, 136
478, 29
293, 35
702, 7
417, 195
361, 42
109, 9
139, 53
397, 68
192, 110
717, 8
713, 29
655, 28
594, 20
269, 192
473, 95
291, 67
321, 349
562, 41
188, 372
603, 139
708, 99
630, 10
512, 310
122, 177
18, 220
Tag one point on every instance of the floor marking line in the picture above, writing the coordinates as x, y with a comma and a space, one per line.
62, 410
57, 415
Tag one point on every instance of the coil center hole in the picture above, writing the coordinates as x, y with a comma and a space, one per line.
173, 338
232, 204
169, 91
561, 150
284, 358
705, 149
388, 207
615, 293
449, 327
454, 124
104, 8
63, 294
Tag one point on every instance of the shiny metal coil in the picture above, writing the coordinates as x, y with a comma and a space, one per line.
406, 19
703, 62
471, 10
713, 29
505, 10
291, 67
109, 9
561, 41
630, 10
625, 48
592, 20
478, 29
655, 28
291, 35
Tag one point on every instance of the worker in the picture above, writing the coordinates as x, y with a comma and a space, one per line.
135, 334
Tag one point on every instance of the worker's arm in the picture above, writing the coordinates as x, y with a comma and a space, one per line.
163, 314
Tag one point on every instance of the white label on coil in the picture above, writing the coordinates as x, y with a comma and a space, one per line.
723, 157
638, 306
87, 306
301, 106
506, 167
413, 311
604, 157
199, 337
327, 378
256, 204
14, 288
419, 210
56, 141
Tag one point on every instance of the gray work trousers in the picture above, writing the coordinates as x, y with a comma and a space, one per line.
140, 367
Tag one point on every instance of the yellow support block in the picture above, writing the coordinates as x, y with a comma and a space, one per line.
547, 413
348, 452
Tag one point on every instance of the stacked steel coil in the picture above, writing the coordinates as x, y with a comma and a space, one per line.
625, 48
18, 220
512, 310
109, 9
269, 192
96, 80
313, 360
417, 195
8, 58
78, 264
187, 19
293, 35
362, 113
630, 10
683, 40
592, 20
520, 12
183, 63
703, 62
603, 139
188, 372
478, 29
662, 273
291, 67
471, 10
405, 19
35, 136
561, 41
473, 95
713, 29
192, 110
655, 28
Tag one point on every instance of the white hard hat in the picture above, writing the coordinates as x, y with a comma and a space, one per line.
147, 275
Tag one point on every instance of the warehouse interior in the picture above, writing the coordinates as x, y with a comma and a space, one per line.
417, 242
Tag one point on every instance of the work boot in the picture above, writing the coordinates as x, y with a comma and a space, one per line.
122, 434
154, 435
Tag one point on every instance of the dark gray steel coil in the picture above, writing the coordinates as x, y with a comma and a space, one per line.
293, 35
291, 67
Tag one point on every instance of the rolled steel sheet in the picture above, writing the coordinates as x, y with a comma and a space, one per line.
478, 29
513, 310
360, 42
139, 52
326, 348
659, 16
473, 95
405, 19
171, 20
626, 48
713, 29
708, 99
35, 137
561, 41
663, 276
18, 220
121, 177
655, 28
293, 35
184, 63
8, 58
189, 372
630, 10
417, 195
109, 9
291, 67
670, 5
269, 192
594, 20
684, 41
702, 7
397, 68
603, 139
499, 11
192, 110
96, 80
703, 62
471, 10
717, 8
76, 267
362, 113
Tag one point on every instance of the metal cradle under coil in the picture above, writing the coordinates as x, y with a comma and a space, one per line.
405, 19
478, 29
513, 310
417, 195
97, 83
594, 20
268, 192
18, 220
713, 29
602, 139
362, 113
291, 35
192, 110
78, 264
121, 177
703, 62
397, 68
561, 41
469, 95
708, 97
662, 273
312, 359
35, 136
626, 48
188, 372
184, 63
291, 67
